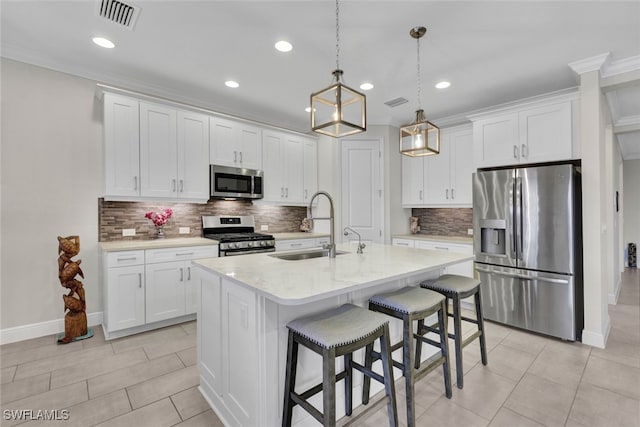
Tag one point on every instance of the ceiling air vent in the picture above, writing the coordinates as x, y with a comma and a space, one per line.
395, 102
118, 12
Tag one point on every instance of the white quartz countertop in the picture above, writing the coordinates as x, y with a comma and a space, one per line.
297, 235
448, 239
304, 281
131, 245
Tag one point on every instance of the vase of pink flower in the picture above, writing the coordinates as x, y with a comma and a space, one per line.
159, 220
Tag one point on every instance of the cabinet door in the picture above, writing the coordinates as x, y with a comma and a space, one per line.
461, 162
193, 155
412, 181
274, 176
126, 296
545, 133
310, 169
222, 142
249, 147
165, 294
437, 185
158, 148
496, 141
294, 163
122, 146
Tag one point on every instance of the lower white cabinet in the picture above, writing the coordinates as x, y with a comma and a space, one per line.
463, 268
297, 244
145, 287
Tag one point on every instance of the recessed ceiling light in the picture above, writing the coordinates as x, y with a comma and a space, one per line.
366, 86
232, 83
284, 46
102, 42
443, 85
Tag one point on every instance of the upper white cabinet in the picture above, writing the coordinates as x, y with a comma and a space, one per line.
122, 146
154, 151
235, 144
290, 167
533, 133
444, 179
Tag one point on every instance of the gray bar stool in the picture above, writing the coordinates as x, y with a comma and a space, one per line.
334, 333
456, 288
411, 304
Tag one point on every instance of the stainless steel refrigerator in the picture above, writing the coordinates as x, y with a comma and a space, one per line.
528, 247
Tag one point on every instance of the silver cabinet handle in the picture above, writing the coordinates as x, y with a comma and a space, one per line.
127, 259
281, 191
135, 183
241, 157
453, 195
515, 151
184, 253
182, 185
446, 192
286, 190
173, 185
420, 196
306, 194
140, 280
524, 150
296, 244
402, 244
188, 273
235, 156
181, 274
441, 248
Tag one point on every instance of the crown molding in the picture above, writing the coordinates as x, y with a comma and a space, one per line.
594, 63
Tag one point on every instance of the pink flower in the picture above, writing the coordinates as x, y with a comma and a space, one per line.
159, 218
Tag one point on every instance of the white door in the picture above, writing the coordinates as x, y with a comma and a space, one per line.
362, 189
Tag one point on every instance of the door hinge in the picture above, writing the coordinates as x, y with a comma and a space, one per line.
379, 154
380, 233
379, 193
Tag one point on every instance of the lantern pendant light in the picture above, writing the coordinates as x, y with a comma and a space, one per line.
338, 110
421, 137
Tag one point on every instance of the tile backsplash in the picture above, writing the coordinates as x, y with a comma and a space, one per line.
115, 216
444, 221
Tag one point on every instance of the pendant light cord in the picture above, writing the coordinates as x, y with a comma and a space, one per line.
337, 35
418, 72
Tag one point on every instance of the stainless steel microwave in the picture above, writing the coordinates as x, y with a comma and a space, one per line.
235, 183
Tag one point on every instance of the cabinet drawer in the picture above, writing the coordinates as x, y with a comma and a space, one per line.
403, 242
288, 245
441, 246
177, 254
125, 258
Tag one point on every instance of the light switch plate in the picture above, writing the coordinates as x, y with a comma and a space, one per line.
128, 231
184, 230
470, 231
264, 227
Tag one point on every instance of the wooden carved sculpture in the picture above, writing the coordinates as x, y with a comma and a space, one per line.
75, 321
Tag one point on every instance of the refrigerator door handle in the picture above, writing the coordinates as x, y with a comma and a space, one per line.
523, 276
519, 219
512, 235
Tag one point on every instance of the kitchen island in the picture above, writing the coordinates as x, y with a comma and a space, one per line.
247, 301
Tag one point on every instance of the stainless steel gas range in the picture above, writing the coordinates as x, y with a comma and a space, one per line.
236, 235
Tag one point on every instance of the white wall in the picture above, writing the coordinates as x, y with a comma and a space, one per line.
51, 177
631, 202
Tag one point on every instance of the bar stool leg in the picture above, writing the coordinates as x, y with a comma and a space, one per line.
290, 380
457, 330
387, 369
419, 331
483, 345
366, 382
407, 356
444, 347
348, 381
329, 387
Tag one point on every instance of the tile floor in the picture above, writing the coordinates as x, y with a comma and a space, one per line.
151, 379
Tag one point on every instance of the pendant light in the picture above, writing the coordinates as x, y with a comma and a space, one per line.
338, 110
421, 137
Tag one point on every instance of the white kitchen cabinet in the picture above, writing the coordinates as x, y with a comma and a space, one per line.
174, 152
122, 146
235, 144
298, 244
463, 268
310, 169
442, 180
408, 243
124, 292
533, 133
283, 164
146, 289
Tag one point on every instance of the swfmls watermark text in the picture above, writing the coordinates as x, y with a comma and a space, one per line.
35, 414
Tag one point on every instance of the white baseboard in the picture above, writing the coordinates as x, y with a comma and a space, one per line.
36, 330
596, 339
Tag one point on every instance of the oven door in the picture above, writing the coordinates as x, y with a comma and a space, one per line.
245, 251
235, 183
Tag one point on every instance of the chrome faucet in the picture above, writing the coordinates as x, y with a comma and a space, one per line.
332, 242
361, 245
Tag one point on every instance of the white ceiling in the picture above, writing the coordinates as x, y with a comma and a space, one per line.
492, 52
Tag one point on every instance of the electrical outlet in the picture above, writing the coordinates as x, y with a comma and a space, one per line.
470, 231
184, 230
264, 227
128, 231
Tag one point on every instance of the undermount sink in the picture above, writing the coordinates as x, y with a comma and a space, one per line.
296, 256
